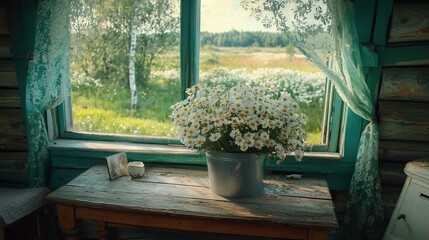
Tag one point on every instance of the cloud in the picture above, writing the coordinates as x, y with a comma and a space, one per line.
225, 15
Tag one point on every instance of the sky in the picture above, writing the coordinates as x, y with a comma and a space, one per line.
225, 15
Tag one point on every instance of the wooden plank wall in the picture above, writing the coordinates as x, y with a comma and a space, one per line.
403, 99
13, 142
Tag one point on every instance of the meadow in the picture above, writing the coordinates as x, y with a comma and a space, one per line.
103, 106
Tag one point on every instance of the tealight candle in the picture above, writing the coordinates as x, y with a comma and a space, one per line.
136, 169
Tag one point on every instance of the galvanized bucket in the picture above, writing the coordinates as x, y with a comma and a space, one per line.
236, 175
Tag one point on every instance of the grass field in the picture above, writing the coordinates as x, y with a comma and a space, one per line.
252, 58
100, 106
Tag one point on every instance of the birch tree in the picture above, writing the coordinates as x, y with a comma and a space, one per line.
124, 39
132, 58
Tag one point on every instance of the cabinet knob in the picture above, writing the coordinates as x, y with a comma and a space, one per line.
401, 216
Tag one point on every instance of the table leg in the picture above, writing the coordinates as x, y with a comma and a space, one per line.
67, 220
317, 234
102, 231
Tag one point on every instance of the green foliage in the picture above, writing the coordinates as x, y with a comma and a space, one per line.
96, 56
211, 59
209, 47
290, 50
236, 38
100, 49
256, 45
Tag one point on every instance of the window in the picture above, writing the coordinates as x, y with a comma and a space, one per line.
125, 67
131, 60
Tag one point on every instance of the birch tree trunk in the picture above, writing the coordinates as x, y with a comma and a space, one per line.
132, 59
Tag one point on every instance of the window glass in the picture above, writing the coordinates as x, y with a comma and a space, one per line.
125, 64
236, 48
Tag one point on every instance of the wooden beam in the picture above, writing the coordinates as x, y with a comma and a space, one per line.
9, 98
9, 172
8, 79
404, 112
381, 24
14, 156
12, 122
410, 22
5, 47
364, 17
13, 143
413, 55
407, 84
4, 28
7, 65
402, 151
13, 167
401, 131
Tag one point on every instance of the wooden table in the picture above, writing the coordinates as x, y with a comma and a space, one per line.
179, 199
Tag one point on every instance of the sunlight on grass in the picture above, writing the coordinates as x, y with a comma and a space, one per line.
314, 137
101, 105
100, 120
242, 57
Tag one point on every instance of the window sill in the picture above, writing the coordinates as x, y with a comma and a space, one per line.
152, 149
73, 156
111, 146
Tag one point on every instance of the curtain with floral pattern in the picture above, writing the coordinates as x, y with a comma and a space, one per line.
47, 81
325, 31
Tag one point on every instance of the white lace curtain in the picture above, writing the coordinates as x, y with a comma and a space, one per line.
327, 28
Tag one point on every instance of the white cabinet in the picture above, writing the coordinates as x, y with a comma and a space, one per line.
410, 219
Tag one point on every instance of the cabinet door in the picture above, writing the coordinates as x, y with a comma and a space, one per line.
413, 217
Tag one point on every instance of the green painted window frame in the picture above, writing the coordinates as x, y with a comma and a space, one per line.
334, 119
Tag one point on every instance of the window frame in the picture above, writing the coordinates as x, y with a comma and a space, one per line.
333, 119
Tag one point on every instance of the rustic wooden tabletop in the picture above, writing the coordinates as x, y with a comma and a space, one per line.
183, 191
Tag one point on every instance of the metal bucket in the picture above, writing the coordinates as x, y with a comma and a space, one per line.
236, 175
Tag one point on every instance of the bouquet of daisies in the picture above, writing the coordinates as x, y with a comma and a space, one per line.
240, 119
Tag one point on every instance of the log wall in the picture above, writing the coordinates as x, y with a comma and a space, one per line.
13, 141
403, 100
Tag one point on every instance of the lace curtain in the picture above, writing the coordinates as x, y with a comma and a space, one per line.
47, 81
322, 28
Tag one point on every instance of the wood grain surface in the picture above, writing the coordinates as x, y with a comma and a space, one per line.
183, 193
406, 84
410, 22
